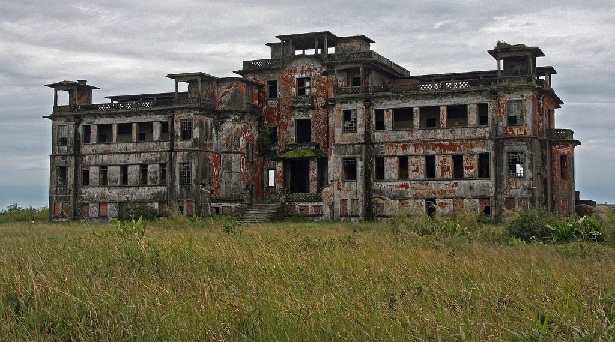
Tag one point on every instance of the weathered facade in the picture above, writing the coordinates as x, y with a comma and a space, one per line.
327, 127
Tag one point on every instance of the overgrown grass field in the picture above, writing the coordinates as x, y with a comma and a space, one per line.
207, 279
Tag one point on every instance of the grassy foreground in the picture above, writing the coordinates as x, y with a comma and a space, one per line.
209, 280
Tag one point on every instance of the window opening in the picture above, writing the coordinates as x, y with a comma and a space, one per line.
62, 135
185, 126
563, 166
273, 135
102, 176
146, 131
61, 176
162, 178
87, 134
457, 166
349, 169
514, 112
143, 174
457, 116
430, 207
350, 121
272, 89
379, 169
403, 118
124, 132
483, 165
483, 114
379, 118
430, 117
271, 177
516, 164
164, 131
85, 176
185, 174
124, 174
105, 133
430, 166
304, 86
303, 131
403, 167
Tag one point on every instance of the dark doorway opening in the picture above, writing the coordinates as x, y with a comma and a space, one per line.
430, 207
299, 175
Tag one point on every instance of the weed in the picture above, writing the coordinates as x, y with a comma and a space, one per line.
132, 228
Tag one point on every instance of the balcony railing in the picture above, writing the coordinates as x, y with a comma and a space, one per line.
364, 56
560, 134
134, 105
304, 101
261, 64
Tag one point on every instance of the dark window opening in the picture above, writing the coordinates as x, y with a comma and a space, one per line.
87, 134
85, 176
430, 117
105, 133
124, 174
350, 121
124, 132
303, 131
379, 169
349, 169
430, 207
563, 166
162, 177
430, 166
483, 114
185, 126
403, 167
516, 66
146, 131
102, 176
304, 86
355, 81
143, 174
62, 135
272, 89
457, 116
403, 118
322, 173
185, 174
516, 164
514, 112
379, 118
164, 131
61, 176
457, 166
273, 135
483, 165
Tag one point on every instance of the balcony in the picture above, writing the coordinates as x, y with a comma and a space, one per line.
560, 134
260, 64
304, 101
135, 105
369, 56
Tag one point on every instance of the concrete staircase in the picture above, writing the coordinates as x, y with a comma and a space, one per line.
260, 213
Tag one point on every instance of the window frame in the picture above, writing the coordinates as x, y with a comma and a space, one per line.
304, 86
349, 175
349, 121
272, 89
186, 129
185, 174
516, 110
513, 159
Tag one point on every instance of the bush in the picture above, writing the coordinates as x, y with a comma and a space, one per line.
15, 213
130, 210
532, 225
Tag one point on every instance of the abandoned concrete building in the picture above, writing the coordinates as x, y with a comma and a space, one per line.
326, 127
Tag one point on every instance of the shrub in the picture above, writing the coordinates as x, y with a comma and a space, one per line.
130, 210
15, 213
132, 228
532, 225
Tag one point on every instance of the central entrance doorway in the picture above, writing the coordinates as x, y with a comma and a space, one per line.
299, 175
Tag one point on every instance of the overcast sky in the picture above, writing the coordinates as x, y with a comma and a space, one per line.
127, 47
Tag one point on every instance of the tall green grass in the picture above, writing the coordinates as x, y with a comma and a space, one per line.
15, 213
211, 279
